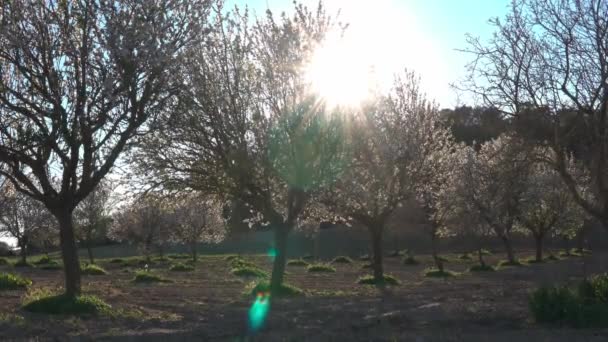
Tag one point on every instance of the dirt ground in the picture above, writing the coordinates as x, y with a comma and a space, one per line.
209, 305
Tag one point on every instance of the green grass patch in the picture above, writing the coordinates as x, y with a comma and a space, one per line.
44, 301
532, 260
507, 263
43, 260
263, 287
297, 262
241, 263
410, 260
482, 268
20, 263
443, 259
161, 259
249, 272
370, 280
320, 268
92, 269
435, 273
231, 257
117, 261
583, 307
342, 260
149, 277
179, 267
10, 281
51, 266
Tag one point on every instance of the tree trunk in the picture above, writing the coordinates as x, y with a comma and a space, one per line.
23, 251
482, 263
69, 253
538, 239
377, 266
90, 252
194, 252
509, 249
278, 268
438, 262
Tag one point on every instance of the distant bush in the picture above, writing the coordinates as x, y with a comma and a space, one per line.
43, 260
181, 268
342, 260
297, 262
44, 301
435, 273
249, 272
585, 307
20, 263
410, 260
10, 281
482, 268
285, 290
92, 269
370, 280
149, 277
320, 268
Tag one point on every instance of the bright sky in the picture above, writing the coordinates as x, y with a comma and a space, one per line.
422, 35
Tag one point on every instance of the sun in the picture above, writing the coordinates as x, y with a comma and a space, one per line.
340, 73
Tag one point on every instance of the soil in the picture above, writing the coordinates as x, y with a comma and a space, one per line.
209, 304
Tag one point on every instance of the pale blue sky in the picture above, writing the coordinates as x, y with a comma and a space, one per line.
424, 33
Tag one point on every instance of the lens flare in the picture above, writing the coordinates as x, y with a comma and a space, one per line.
272, 252
259, 311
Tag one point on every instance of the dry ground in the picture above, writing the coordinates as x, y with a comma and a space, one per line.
209, 305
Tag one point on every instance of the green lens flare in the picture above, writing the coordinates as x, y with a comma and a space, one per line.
259, 311
272, 252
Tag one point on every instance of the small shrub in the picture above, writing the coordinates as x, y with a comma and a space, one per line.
364, 257
149, 277
297, 262
92, 269
181, 268
3, 262
43, 260
117, 261
249, 272
553, 304
482, 268
322, 268
506, 263
370, 280
20, 263
435, 273
342, 260
410, 260
44, 301
285, 290
10, 281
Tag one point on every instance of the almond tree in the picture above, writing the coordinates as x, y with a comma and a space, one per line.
249, 128
551, 57
198, 219
78, 81
389, 139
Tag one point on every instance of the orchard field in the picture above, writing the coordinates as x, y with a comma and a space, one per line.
209, 303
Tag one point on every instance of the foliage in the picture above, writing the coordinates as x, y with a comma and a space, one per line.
323, 268
370, 280
179, 267
297, 262
92, 269
342, 260
44, 301
143, 276
10, 281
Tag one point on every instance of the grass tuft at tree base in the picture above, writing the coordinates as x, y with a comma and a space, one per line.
370, 280
285, 290
142, 276
320, 268
297, 262
249, 272
44, 301
180, 267
342, 260
482, 268
92, 269
435, 273
9, 281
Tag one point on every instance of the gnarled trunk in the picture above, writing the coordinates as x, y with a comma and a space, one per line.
69, 253
377, 266
23, 249
438, 262
281, 232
